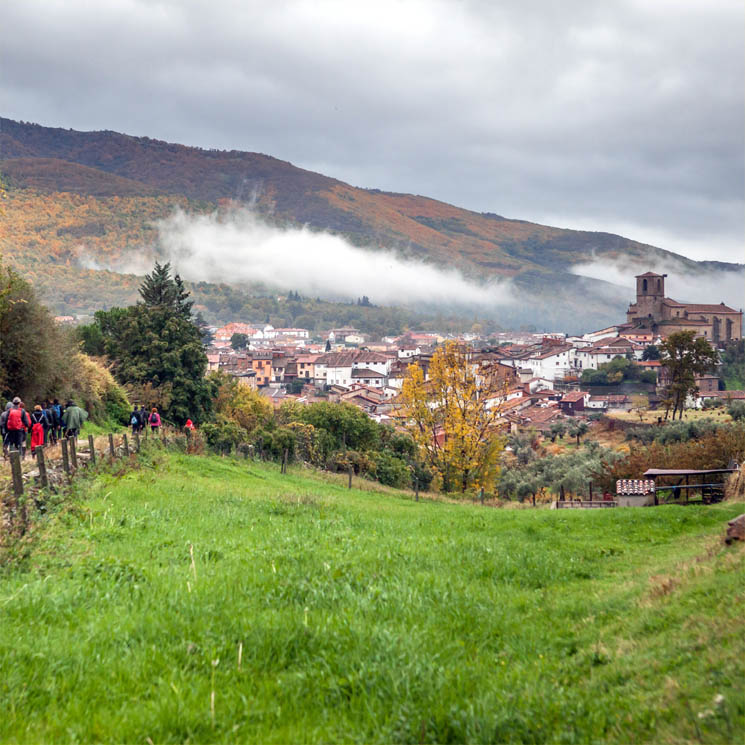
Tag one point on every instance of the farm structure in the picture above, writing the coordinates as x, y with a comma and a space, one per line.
700, 486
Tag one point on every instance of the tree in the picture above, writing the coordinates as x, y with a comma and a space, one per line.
34, 352
558, 429
157, 343
685, 356
577, 428
239, 341
651, 352
453, 418
640, 406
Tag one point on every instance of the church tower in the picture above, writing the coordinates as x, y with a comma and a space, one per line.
650, 292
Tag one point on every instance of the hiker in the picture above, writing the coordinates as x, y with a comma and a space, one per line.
154, 420
134, 420
4, 426
143, 417
53, 423
189, 425
38, 421
48, 422
73, 419
16, 424
58, 411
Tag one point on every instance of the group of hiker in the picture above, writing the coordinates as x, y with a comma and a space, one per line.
139, 419
49, 422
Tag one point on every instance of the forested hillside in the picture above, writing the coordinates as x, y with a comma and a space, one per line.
80, 201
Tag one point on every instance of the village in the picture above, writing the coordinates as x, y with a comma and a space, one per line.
540, 375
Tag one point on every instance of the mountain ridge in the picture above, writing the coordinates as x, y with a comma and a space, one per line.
41, 163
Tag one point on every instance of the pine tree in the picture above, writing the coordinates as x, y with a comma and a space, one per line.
157, 343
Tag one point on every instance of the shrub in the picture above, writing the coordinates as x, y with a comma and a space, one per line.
391, 471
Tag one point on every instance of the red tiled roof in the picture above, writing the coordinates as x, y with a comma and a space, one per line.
573, 396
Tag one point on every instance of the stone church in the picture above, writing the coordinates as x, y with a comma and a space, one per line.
662, 315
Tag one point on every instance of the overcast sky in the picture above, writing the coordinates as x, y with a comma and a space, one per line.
618, 115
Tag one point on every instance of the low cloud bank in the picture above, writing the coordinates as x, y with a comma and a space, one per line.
683, 283
245, 249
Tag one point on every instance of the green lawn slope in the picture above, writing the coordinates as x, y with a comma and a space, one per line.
206, 599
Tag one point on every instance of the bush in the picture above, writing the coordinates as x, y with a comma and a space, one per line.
736, 409
391, 471
223, 435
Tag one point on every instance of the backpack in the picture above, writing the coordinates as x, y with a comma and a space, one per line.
14, 419
38, 417
135, 420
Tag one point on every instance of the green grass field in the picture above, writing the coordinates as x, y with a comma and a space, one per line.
206, 599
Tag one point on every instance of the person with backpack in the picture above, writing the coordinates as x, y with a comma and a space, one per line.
57, 408
154, 420
38, 421
73, 419
4, 426
143, 417
17, 423
48, 421
134, 420
53, 423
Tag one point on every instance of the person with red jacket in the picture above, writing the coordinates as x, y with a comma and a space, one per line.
38, 422
17, 423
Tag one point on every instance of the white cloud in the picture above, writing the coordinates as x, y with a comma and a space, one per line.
242, 248
682, 284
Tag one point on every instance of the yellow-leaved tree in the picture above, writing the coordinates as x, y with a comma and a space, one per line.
453, 417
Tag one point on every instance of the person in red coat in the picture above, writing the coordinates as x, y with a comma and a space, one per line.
38, 419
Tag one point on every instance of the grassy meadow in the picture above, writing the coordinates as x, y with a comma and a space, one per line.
204, 599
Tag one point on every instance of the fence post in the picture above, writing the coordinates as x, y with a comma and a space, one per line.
351, 471
43, 478
591, 491
16, 473
73, 454
481, 495
416, 489
284, 461
92, 449
112, 452
65, 456
126, 445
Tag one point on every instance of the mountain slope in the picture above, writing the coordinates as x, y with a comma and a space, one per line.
112, 187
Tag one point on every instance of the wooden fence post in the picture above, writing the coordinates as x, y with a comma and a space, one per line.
126, 445
65, 456
416, 489
591, 491
92, 449
284, 461
481, 495
351, 472
73, 454
16, 473
43, 477
112, 452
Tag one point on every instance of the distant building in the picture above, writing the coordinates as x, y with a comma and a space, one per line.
658, 314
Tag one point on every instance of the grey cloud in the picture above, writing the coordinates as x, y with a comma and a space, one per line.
618, 113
